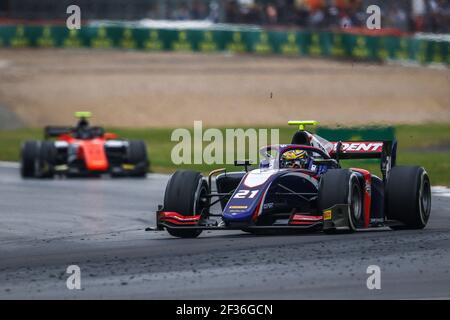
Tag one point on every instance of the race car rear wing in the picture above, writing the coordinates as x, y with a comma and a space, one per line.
386, 151
55, 131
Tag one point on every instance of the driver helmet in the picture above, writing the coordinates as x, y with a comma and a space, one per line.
82, 130
83, 123
296, 158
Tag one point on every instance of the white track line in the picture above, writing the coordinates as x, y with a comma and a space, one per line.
441, 191
16, 165
8, 164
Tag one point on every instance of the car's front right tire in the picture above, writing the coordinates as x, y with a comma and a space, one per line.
138, 156
408, 197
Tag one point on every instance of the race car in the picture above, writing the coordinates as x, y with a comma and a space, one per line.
83, 151
300, 186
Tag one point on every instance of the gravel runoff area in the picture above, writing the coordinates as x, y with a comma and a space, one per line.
141, 89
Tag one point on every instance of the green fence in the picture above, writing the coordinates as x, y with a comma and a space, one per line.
302, 43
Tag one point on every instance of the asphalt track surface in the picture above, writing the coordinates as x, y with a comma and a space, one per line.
99, 225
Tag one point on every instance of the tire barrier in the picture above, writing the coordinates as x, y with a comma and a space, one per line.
264, 42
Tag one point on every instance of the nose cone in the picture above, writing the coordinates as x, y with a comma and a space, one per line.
95, 156
240, 209
248, 196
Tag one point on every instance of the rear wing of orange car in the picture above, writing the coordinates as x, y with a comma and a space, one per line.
56, 131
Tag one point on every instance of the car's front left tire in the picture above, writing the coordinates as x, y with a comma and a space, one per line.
186, 194
28, 158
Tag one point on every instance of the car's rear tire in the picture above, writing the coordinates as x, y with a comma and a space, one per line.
341, 186
185, 194
408, 197
137, 155
28, 158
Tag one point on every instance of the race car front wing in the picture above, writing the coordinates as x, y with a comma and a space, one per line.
175, 220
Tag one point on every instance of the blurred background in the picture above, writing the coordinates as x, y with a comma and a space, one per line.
145, 67
405, 15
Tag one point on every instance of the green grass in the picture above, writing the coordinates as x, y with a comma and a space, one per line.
414, 140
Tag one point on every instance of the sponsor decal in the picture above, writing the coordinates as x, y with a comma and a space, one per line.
360, 146
244, 194
238, 207
327, 215
268, 205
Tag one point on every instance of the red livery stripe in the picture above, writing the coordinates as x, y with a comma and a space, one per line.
179, 217
302, 222
175, 221
302, 217
367, 194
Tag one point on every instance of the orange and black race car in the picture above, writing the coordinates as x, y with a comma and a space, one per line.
83, 151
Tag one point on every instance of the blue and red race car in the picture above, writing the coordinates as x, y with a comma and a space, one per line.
83, 151
301, 186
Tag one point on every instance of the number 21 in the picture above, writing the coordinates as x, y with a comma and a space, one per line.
242, 194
